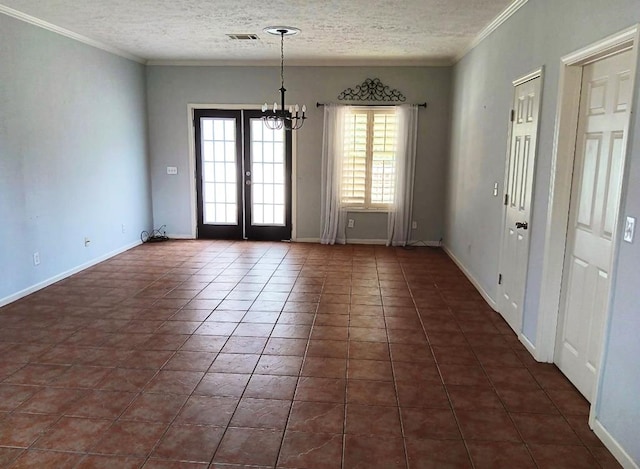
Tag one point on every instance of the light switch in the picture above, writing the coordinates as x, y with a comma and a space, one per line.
172, 170
629, 229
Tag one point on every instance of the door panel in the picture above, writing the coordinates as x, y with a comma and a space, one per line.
593, 215
614, 182
514, 257
218, 173
268, 171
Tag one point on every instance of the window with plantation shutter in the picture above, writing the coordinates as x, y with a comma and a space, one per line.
368, 169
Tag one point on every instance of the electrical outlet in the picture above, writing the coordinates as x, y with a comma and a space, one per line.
351, 223
414, 225
123, 230
495, 189
36, 258
87, 241
172, 170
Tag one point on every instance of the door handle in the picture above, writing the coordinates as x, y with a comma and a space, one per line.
524, 225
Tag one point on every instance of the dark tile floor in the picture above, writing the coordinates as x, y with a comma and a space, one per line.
196, 354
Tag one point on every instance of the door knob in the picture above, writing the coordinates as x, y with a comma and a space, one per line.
524, 225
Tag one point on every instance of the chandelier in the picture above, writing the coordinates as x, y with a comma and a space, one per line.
279, 117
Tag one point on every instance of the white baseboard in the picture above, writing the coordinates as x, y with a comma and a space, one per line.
472, 279
613, 446
429, 244
181, 236
56, 278
528, 345
377, 242
382, 242
305, 240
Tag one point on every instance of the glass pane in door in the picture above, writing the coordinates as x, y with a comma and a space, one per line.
219, 174
268, 174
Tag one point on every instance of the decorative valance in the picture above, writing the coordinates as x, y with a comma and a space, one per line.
372, 90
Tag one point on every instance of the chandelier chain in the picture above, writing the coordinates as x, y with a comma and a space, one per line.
282, 59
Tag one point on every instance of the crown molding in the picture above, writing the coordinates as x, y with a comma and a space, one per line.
70, 34
491, 27
447, 62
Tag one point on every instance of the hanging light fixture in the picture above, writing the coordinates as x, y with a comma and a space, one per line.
277, 118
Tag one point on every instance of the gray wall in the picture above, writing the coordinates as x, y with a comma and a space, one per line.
539, 34
73, 154
171, 89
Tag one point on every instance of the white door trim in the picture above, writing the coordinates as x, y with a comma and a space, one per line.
560, 190
529, 76
192, 162
560, 183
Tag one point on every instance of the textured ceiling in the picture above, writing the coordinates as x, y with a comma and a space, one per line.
333, 31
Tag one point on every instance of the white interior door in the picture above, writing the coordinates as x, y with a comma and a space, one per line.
514, 257
593, 217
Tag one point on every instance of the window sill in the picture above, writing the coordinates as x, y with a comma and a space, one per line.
366, 210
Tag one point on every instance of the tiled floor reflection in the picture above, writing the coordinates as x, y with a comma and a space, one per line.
196, 354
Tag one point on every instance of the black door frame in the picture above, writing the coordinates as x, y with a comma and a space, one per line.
243, 228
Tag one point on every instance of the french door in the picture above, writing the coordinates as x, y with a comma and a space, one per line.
243, 176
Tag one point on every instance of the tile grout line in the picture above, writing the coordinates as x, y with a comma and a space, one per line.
157, 443
504, 406
153, 448
226, 428
446, 390
393, 368
141, 392
442, 383
304, 356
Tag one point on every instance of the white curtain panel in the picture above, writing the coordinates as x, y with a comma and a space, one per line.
399, 220
332, 213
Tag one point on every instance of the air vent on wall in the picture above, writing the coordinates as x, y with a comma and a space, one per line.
244, 37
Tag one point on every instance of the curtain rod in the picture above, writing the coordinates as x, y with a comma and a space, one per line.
424, 105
